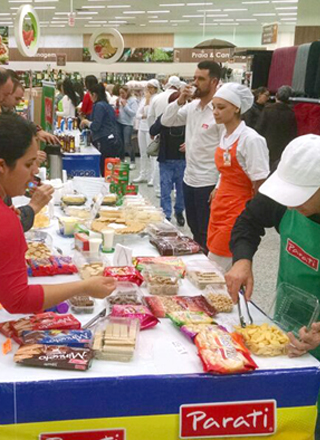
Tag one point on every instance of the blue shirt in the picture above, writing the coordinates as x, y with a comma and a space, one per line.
103, 121
128, 113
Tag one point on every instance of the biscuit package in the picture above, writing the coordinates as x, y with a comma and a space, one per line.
142, 313
124, 273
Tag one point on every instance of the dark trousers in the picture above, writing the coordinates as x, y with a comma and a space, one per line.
125, 132
107, 148
198, 211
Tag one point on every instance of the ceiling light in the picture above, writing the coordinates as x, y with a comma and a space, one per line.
287, 19
93, 7
246, 19
209, 10
217, 15
263, 2
118, 6
287, 8
118, 21
46, 1
143, 25
287, 13
285, 1
172, 4
208, 24
234, 10
92, 25
134, 12
57, 25
4, 23
179, 21
45, 7
44, 22
199, 4
111, 25
153, 16
223, 19
127, 18
59, 22
98, 21
87, 12
61, 13
265, 14
4, 13
19, 1
83, 18
14, 9
159, 12
158, 21
193, 16
229, 24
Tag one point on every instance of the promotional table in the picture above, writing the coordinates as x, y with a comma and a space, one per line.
162, 394
85, 164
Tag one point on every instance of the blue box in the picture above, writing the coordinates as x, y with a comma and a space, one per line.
81, 165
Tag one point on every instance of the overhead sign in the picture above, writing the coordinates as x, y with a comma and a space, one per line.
27, 31
106, 46
4, 45
185, 55
270, 34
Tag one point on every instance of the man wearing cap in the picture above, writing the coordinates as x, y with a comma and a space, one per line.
242, 160
202, 138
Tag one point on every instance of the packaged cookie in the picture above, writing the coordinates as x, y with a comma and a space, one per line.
142, 313
175, 246
161, 229
79, 212
115, 339
161, 306
161, 280
71, 338
81, 304
202, 273
124, 273
186, 317
219, 298
176, 263
126, 293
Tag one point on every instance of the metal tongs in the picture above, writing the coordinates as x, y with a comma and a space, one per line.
243, 322
96, 318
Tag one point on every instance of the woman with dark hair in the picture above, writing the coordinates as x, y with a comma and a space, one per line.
18, 156
278, 124
261, 97
69, 101
103, 125
87, 104
79, 89
127, 106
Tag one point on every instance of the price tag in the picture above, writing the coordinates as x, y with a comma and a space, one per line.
181, 349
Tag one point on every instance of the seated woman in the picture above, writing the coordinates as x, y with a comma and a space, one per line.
18, 156
103, 125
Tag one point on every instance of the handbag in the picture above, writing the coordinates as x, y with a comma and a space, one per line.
154, 147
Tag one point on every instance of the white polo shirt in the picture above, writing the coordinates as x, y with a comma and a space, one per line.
202, 138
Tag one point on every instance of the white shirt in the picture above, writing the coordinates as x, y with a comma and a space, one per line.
143, 112
69, 110
202, 138
158, 105
252, 151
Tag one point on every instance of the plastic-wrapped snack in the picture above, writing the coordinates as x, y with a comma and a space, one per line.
115, 339
176, 263
71, 338
37, 249
219, 298
191, 330
142, 313
67, 226
160, 230
222, 352
196, 304
54, 356
203, 273
124, 273
126, 294
264, 340
54, 265
108, 200
161, 280
186, 317
74, 199
79, 212
161, 306
175, 246
81, 304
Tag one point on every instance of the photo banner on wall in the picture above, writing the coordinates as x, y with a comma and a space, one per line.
106, 46
4, 45
27, 31
47, 106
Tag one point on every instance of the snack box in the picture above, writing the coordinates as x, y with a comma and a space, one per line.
161, 229
79, 212
109, 164
161, 279
202, 273
71, 338
115, 339
175, 246
74, 199
54, 356
124, 273
126, 293
81, 304
218, 297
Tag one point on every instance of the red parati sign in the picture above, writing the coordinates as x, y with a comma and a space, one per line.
104, 434
297, 252
234, 419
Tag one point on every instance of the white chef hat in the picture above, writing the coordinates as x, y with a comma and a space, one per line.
173, 81
154, 83
237, 94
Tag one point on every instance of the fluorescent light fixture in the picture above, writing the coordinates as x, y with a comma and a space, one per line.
172, 4
118, 6
262, 2
44, 22
59, 22
92, 25
111, 25
287, 13
223, 19
158, 21
45, 7
4, 23
127, 18
264, 14
285, 1
158, 12
134, 12
217, 15
118, 21
98, 21
46, 1
287, 19
143, 25
234, 10
209, 10
93, 7
4, 13
179, 21
287, 8
14, 9
193, 16
61, 13
199, 4
246, 19
19, 1
153, 16
208, 24
87, 12
229, 24
83, 18
57, 25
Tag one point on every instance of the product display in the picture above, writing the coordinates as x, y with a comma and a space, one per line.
67, 226
54, 356
71, 338
89, 270
186, 318
124, 273
161, 280
74, 199
142, 313
176, 263
54, 265
42, 219
161, 306
219, 298
81, 304
126, 293
108, 200
160, 230
37, 250
79, 212
175, 246
202, 274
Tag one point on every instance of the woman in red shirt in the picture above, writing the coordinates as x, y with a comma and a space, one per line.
87, 103
18, 156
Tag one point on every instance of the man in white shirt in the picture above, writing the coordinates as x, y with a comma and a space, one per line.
202, 139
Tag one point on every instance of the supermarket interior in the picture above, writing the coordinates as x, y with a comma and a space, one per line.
159, 219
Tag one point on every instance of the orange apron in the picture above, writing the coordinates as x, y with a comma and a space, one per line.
235, 189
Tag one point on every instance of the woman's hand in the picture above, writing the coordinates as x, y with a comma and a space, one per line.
48, 138
240, 275
41, 197
308, 340
123, 102
212, 195
84, 123
41, 157
182, 148
99, 287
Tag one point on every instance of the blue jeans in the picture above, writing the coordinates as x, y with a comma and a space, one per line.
171, 174
125, 132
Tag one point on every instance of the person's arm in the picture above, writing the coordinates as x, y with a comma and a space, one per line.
98, 116
26, 217
156, 127
308, 340
260, 213
175, 115
255, 154
131, 107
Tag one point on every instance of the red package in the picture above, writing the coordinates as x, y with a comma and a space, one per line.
222, 352
160, 305
7, 331
54, 265
63, 265
146, 318
124, 273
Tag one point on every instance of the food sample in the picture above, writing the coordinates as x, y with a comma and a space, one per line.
81, 304
161, 306
125, 294
161, 230
89, 270
71, 338
145, 215
54, 356
116, 339
112, 214
74, 199
130, 228
264, 340
42, 219
219, 298
202, 279
222, 352
142, 313
161, 280
176, 263
67, 226
108, 200
186, 317
124, 273
175, 246
79, 212
37, 249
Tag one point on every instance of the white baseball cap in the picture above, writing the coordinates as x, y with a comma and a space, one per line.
173, 81
237, 94
297, 177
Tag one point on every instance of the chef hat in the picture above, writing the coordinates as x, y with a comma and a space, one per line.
154, 83
173, 81
237, 94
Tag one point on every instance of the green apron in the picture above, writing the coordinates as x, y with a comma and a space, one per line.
299, 259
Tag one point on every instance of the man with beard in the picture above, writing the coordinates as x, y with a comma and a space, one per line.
202, 139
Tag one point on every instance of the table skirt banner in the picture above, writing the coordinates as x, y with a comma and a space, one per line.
279, 404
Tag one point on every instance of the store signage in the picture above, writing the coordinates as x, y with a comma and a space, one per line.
297, 252
185, 55
270, 34
27, 31
100, 434
236, 419
73, 54
106, 46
